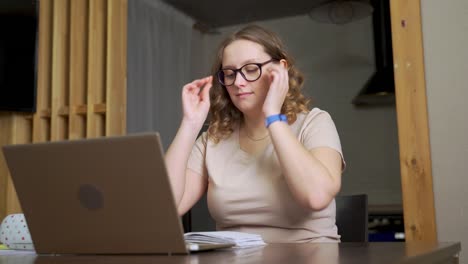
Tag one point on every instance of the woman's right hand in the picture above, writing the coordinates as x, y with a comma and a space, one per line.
196, 100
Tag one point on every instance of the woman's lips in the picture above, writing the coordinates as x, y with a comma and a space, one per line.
243, 95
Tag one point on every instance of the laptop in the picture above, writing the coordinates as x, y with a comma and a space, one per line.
108, 195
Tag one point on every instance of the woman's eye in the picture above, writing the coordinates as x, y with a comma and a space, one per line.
228, 74
250, 69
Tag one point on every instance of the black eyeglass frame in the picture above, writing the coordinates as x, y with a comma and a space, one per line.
220, 72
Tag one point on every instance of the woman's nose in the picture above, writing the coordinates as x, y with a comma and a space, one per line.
240, 80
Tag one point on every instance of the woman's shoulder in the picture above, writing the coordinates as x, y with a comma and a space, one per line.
312, 116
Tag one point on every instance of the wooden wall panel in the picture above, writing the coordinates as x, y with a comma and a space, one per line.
81, 80
41, 124
96, 66
6, 134
78, 68
60, 70
116, 68
413, 129
22, 127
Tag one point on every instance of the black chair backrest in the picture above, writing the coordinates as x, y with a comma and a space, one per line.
351, 217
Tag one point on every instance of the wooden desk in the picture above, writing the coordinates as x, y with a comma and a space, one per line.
312, 253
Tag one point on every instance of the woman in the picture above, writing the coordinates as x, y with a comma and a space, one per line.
268, 164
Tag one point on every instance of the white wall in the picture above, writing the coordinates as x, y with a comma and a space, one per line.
445, 39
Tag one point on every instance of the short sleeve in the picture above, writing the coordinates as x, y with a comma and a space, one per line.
319, 130
196, 161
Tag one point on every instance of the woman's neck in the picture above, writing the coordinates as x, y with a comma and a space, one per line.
254, 126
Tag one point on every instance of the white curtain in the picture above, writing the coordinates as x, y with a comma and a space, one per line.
159, 59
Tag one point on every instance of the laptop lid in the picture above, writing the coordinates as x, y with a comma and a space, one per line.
108, 195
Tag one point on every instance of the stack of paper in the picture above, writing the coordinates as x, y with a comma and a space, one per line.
240, 239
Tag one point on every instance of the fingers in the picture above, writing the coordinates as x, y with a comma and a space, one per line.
205, 92
201, 82
196, 86
279, 86
279, 76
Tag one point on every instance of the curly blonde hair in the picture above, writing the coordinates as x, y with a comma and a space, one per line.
223, 115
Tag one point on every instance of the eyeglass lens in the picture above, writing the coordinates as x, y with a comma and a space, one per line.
250, 72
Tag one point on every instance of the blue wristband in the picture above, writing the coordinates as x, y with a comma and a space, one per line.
273, 118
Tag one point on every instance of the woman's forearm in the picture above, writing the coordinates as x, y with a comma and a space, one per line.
310, 181
177, 156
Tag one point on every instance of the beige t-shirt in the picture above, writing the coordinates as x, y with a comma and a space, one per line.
248, 193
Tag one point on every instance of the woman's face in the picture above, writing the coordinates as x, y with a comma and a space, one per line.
247, 96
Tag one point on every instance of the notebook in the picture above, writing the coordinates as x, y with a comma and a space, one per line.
240, 239
108, 195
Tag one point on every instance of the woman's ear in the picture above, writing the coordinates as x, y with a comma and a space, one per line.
284, 63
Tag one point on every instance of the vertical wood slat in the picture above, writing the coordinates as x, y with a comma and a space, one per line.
22, 134
96, 65
116, 68
413, 130
12, 203
41, 128
6, 133
60, 66
78, 59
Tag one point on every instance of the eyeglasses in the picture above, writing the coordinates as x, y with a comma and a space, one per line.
250, 72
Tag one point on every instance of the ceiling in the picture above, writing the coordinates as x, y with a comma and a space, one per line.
218, 13
17, 6
211, 14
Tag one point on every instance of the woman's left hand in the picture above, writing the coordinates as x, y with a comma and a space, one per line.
279, 86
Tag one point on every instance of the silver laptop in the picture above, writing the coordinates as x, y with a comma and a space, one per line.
98, 196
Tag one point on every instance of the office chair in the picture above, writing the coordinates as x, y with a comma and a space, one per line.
351, 217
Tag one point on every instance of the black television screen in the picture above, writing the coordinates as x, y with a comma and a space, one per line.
18, 50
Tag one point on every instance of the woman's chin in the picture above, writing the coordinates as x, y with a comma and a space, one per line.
246, 108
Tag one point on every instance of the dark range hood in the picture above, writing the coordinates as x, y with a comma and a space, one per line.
380, 88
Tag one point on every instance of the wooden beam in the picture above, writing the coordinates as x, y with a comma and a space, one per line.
22, 134
78, 66
413, 130
99, 108
41, 125
60, 69
6, 138
116, 99
80, 110
96, 66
